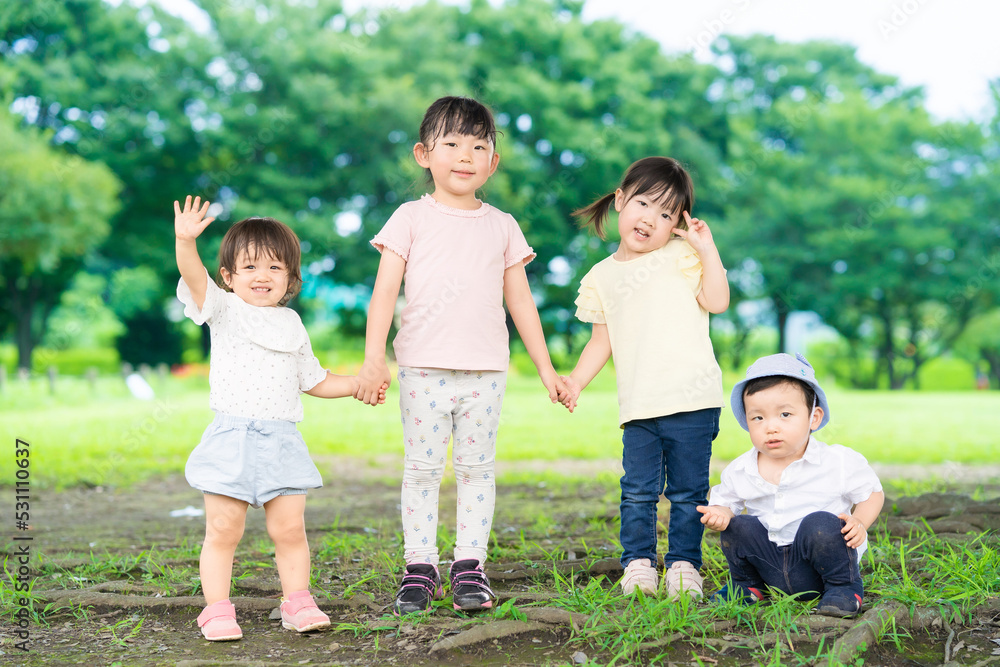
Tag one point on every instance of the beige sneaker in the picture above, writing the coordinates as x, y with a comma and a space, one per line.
681, 577
640, 574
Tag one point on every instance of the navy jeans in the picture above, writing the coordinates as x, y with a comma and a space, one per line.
817, 561
672, 451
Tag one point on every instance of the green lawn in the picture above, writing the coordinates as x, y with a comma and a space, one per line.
103, 436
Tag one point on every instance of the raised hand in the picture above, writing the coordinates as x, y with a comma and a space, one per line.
190, 222
697, 234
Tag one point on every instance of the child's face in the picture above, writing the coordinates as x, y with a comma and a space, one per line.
780, 422
460, 165
644, 223
259, 279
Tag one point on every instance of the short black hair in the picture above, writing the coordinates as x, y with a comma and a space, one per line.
768, 381
461, 115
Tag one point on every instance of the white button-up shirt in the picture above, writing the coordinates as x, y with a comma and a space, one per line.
828, 478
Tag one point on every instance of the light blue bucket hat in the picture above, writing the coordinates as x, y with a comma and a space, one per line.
779, 364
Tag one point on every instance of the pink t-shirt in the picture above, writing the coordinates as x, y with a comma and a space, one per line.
453, 283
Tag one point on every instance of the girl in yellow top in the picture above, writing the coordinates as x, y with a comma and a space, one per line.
649, 304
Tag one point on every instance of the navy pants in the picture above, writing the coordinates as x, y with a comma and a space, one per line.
817, 562
673, 452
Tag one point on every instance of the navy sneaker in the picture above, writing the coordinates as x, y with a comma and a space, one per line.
841, 602
421, 585
748, 595
470, 589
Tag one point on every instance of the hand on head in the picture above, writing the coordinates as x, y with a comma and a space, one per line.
697, 234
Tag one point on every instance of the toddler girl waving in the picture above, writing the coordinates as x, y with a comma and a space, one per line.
461, 259
649, 304
252, 453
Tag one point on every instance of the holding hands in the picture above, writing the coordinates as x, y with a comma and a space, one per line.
572, 392
190, 222
374, 379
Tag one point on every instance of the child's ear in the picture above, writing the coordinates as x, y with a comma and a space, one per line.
817, 418
420, 155
619, 199
495, 162
227, 277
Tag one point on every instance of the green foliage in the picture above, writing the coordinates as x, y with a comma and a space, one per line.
827, 185
54, 210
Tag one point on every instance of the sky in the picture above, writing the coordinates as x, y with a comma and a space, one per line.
950, 47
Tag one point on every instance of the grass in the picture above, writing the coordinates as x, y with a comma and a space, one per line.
100, 435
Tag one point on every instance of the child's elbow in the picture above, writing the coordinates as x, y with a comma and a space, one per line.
718, 306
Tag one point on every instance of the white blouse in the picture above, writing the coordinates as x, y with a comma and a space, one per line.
261, 357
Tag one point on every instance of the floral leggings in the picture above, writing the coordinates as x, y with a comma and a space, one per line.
435, 405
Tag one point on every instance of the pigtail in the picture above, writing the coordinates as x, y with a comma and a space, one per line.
596, 214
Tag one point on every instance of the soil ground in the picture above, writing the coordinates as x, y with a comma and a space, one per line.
134, 620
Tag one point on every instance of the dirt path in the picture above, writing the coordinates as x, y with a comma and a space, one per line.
122, 554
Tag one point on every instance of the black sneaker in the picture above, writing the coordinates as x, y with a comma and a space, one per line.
470, 589
421, 585
840, 602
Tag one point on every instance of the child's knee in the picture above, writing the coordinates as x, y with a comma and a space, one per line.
821, 523
287, 532
225, 529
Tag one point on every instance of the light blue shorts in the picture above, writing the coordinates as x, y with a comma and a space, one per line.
253, 460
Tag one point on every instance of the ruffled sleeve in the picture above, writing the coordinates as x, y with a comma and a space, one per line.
517, 251
397, 234
588, 303
209, 308
689, 264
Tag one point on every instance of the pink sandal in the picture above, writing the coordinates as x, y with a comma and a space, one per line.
300, 613
218, 622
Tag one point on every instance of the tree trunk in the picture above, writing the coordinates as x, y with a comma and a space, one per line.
781, 311
887, 350
23, 301
993, 359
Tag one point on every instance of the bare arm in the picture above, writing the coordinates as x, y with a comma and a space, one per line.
189, 223
374, 373
521, 305
593, 358
714, 295
860, 520
340, 386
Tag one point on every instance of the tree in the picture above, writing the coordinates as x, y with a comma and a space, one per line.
54, 210
847, 185
105, 85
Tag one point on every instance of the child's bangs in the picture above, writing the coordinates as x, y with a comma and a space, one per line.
264, 241
472, 122
661, 192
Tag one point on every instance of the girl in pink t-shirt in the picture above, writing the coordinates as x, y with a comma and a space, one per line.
461, 259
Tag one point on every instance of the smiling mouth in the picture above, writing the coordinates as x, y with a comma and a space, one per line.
641, 234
